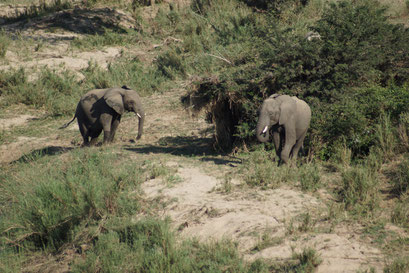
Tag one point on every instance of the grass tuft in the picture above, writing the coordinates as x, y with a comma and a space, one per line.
360, 190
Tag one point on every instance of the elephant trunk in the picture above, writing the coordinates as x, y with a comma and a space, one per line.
141, 117
263, 127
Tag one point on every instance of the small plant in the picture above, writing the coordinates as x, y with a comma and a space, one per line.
401, 181
171, 64
403, 131
400, 214
386, 136
226, 186
4, 43
342, 154
259, 170
309, 176
266, 240
374, 159
307, 223
360, 189
308, 259
398, 265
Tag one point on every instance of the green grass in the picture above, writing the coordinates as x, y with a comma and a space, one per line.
4, 43
266, 240
359, 190
398, 265
108, 38
401, 181
64, 197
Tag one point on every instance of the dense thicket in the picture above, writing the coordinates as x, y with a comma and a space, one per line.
351, 75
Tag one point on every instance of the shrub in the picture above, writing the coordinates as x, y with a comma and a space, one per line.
358, 48
64, 197
170, 64
56, 92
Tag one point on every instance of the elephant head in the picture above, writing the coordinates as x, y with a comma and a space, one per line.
125, 99
275, 109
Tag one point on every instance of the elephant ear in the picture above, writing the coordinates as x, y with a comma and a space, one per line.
287, 110
114, 99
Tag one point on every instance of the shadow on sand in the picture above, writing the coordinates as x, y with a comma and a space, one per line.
188, 146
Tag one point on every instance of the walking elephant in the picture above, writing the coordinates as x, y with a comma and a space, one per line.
288, 119
101, 110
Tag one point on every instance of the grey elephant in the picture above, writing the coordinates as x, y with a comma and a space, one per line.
288, 118
101, 110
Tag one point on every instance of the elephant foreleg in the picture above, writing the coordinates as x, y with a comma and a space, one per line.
114, 126
277, 142
290, 140
106, 122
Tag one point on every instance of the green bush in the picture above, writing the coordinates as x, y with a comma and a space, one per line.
55, 92
358, 48
44, 209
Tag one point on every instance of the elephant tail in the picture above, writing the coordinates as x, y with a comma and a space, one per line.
68, 123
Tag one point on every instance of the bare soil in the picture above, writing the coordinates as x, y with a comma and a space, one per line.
197, 204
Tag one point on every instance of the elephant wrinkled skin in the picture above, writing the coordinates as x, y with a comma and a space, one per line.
101, 110
288, 119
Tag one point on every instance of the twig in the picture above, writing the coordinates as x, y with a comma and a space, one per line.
221, 58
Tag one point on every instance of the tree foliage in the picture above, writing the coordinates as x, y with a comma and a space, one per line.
356, 68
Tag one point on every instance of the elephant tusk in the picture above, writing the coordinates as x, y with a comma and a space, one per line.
265, 130
139, 116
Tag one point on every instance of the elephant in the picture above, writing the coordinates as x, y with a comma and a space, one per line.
288, 118
101, 109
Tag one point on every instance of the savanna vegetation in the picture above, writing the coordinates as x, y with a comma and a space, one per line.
229, 55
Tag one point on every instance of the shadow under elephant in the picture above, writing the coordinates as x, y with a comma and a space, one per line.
186, 146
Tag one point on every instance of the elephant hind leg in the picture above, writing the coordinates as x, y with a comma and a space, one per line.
84, 133
298, 145
94, 134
